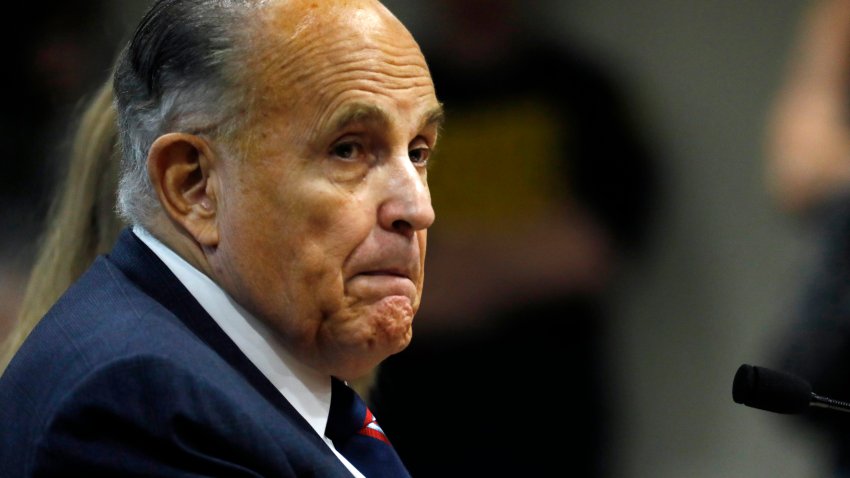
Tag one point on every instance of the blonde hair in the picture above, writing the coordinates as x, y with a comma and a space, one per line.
82, 222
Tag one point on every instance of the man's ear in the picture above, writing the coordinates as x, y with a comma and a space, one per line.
182, 169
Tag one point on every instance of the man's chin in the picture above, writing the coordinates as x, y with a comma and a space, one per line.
392, 317
369, 334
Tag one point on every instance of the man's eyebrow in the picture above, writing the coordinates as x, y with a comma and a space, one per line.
358, 113
362, 112
435, 117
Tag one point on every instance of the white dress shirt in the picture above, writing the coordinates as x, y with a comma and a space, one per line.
307, 390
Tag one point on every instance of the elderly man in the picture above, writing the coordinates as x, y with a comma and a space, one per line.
274, 171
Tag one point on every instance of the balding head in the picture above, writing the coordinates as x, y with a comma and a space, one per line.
309, 52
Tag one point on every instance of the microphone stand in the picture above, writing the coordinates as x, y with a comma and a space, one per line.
830, 403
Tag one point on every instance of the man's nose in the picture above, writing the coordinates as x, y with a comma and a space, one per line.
407, 204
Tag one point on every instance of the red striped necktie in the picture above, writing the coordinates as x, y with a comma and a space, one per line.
356, 434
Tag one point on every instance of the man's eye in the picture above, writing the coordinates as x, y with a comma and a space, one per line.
419, 155
346, 150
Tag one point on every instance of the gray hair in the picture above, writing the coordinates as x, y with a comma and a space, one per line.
179, 72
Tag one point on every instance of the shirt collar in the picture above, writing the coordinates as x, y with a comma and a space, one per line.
307, 390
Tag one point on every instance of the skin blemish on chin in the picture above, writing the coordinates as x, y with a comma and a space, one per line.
394, 320
394, 312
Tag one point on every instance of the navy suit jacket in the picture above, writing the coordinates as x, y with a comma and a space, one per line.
127, 375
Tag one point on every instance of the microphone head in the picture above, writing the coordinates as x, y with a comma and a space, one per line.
771, 390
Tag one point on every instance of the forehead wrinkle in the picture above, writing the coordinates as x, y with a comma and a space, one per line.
341, 55
306, 67
403, 73
411, 63
363, 76
356, 78
284, 64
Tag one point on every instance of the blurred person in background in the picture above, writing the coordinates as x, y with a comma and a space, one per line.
543, 186
59, 54
808, 170
81, 223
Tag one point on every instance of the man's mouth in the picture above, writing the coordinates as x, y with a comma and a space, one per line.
381, 283
386, 272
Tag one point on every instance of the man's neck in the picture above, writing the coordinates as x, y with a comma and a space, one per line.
182, 244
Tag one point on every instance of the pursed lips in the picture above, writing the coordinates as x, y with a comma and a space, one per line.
382, 281
387, 272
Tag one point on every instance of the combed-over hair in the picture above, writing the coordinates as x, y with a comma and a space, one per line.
179, 73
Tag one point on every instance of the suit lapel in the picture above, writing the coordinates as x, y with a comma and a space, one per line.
144, 268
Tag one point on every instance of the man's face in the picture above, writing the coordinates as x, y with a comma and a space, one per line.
323, 224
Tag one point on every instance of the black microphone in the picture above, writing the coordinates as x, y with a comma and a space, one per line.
779, 392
